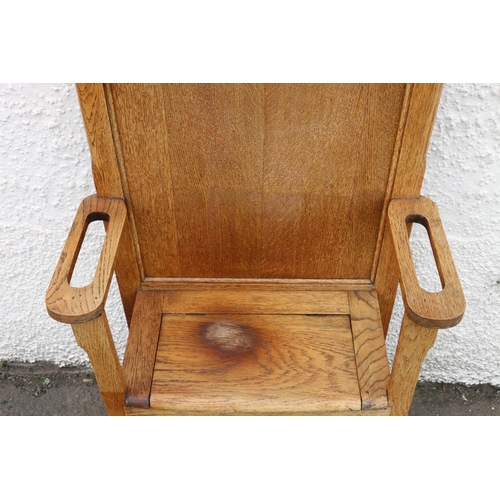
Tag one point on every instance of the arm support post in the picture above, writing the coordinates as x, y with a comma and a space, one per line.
413, 344
83, 307
425, 312
94, 337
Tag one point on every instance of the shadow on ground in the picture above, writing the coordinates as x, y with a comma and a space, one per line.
45, 389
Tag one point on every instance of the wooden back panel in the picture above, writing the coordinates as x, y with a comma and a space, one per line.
257, 180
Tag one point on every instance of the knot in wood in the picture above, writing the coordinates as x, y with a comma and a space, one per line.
228, 337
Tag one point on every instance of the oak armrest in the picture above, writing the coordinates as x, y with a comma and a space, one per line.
70, 304
442, 309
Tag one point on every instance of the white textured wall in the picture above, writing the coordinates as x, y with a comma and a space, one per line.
45, 172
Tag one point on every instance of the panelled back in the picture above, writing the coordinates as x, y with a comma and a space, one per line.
256, 180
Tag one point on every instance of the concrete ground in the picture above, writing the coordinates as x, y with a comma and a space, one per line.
45, 389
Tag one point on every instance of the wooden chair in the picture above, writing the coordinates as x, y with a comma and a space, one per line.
258, 233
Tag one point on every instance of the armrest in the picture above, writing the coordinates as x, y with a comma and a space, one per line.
442, 309
70, 304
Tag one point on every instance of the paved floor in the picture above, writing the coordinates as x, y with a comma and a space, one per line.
45, 389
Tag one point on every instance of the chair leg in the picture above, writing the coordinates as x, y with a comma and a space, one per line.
94, 337
413, 344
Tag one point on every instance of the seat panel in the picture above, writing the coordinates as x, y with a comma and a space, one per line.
255, 363
256, 352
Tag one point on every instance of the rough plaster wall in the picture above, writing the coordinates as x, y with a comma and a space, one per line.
45, 172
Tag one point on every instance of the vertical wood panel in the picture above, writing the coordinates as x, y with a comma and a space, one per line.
328, 152
193, 157
249, 181
140, 121
216, 160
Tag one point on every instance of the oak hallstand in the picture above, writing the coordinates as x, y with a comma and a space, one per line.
258, 233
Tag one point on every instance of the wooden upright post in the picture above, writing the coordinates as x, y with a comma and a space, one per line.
413, 345
94, 337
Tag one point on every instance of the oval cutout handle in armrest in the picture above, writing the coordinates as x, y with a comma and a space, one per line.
442, 309
70, 304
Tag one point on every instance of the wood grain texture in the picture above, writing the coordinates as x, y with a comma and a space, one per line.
257, 181
102, 148
70, 304
422, 112
408, 178
253, 201
369, 348
155, 412
256, 302
201, 165
94, 337
413, 344
327, 157
442, 309
142, 343
240, 364
392, 175
228, 284
108, 183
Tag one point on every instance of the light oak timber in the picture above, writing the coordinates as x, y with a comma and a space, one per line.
256, 302
140, 354
220, 149
102, 148
108, 184
154, 412
327, 157
255, 364
392, 175
422, 112
410, 169
247, 204
369, 347
94, 337
201, 165
115, 137
163, 208
70, 304
254, 284
413, 344
442, 309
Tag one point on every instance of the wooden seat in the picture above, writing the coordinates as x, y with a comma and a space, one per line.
246, 352
258, 233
